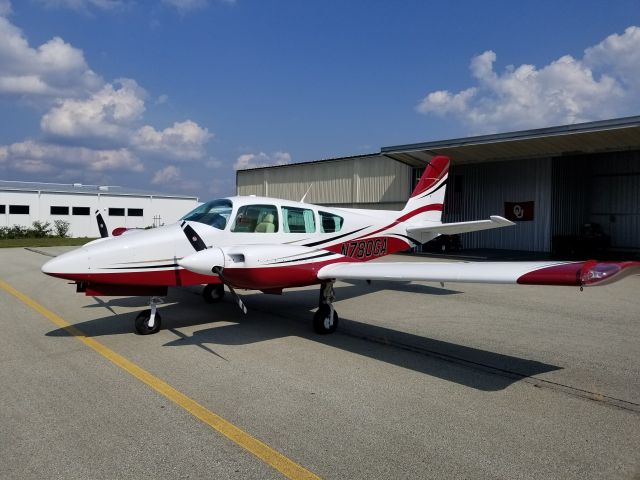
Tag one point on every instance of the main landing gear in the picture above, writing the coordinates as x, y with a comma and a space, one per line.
149, 321
325, 320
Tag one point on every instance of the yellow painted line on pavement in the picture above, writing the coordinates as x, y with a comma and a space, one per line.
275, 459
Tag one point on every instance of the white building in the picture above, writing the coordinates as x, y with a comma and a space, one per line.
21, 203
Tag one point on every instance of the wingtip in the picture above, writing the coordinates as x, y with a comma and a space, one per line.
501, 220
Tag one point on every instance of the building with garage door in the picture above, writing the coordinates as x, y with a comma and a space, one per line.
21, 203
562, 185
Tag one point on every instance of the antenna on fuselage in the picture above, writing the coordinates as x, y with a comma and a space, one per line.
305, 194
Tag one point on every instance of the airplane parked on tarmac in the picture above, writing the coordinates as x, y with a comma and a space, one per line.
267, 244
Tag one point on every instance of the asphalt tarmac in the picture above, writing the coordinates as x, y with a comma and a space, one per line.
420, 381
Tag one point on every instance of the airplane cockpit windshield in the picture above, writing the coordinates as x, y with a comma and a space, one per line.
215, 213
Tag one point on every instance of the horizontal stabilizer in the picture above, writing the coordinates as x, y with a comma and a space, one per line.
494, 221
526, 273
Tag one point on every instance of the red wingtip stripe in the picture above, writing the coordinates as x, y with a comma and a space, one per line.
436, 170
586, 273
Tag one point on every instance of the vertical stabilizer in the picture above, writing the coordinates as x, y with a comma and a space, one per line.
427, 199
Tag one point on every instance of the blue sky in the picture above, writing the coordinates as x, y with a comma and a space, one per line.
174, 95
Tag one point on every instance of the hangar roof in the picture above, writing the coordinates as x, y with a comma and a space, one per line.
600, 136
78, 188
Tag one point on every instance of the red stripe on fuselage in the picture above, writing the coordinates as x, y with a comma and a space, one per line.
393, 245
171, 278
265, 278
250, 278
434, 207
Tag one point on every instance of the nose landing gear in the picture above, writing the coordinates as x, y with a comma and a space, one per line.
149, 321
213, 292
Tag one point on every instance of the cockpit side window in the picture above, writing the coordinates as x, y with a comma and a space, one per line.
298, 220
215, 213
256, 218
330, 223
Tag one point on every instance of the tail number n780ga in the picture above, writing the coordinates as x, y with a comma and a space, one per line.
373, 247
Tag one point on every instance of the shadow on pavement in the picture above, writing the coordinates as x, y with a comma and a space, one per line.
273, 317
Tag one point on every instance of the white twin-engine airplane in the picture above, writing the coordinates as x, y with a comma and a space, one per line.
267, 244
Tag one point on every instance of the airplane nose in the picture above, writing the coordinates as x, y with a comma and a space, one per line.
73, 262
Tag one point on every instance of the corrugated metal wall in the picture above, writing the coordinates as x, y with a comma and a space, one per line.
615, 197
477, 191
601, 188
571, 179
360, 182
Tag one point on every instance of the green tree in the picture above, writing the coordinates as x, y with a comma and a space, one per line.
62, 228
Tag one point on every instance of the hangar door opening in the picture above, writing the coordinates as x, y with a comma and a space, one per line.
601, 190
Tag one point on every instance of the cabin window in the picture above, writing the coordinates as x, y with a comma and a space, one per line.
215, 213
256, 218
59, 210
2, 208
134, 212
330, 223
298, 220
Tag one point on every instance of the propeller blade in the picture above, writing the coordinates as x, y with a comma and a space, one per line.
236, 297
198, 244
194, 239
102, 227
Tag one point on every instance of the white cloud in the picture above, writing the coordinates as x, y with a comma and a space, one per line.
618, 54
171, 177
5, 8
168, 174
31, 156
54, 69
184, 141
91, 126
256, 160
105, 114
603, 84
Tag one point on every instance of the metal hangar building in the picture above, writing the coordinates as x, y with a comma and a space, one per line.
552, 181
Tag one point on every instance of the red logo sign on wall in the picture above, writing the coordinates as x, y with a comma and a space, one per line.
518, 211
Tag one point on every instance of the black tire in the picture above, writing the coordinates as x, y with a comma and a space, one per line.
213, 292
142, 323
321, 316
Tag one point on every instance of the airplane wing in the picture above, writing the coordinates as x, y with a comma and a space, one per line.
494, 221
526, 273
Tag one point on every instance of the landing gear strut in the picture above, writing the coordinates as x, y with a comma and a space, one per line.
213, 292
325, 320
149, 321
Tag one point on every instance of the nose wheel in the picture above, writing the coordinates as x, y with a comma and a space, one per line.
149, 321
213, 292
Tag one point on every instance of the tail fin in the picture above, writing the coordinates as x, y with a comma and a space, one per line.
427, 200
